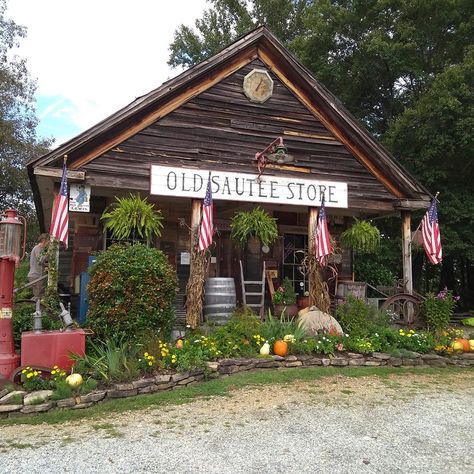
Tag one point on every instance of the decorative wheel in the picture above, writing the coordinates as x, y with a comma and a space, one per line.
404, 309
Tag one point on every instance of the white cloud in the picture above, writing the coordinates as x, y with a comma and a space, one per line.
98, 55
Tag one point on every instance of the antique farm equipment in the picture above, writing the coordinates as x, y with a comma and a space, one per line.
11, 252
404, 309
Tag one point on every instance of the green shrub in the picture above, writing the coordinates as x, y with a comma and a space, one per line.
274, 329
439, 308
360, 319
109, 361
131, 292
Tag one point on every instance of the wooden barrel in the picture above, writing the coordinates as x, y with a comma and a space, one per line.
219, 300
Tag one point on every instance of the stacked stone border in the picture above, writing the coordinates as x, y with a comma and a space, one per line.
19, 403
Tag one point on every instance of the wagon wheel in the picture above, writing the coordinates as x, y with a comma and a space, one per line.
15, 377
398, 306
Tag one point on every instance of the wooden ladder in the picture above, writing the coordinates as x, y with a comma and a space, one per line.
256, 295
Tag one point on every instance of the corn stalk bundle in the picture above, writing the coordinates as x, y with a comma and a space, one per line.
197, 278
318, 289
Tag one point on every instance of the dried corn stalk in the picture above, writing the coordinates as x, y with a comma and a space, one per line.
197, 278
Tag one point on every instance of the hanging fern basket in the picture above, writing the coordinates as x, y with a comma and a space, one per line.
362, 237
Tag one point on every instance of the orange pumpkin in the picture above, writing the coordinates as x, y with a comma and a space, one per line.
466, 347
280, 348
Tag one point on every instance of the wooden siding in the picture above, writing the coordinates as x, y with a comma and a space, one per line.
222, 129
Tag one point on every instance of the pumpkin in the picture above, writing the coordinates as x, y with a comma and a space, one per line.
74, 380
265, 349
280, 348
465, 344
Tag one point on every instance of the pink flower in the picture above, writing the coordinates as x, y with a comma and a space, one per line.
340, 346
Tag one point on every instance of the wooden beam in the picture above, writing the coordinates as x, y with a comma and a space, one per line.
411, 204
307, 135
58, 172
168, 107
328, 123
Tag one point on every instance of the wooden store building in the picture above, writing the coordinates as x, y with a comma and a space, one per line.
214, 118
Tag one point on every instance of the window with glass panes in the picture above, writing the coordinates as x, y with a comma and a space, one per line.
294, 252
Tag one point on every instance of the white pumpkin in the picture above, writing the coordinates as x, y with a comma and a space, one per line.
265, 349
74, 380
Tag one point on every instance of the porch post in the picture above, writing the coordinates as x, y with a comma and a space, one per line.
406, 246
407, 264
194, 287
312, 222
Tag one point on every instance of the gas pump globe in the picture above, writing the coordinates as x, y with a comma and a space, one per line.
12, 228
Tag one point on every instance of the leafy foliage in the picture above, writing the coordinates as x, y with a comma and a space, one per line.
439, 308
132, 216
18, 140
360, 319
255, 223
131, 291
363, 237
114, 360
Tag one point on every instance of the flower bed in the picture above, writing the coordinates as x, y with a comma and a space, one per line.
18, 403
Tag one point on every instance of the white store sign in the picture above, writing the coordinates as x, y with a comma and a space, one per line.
192, 183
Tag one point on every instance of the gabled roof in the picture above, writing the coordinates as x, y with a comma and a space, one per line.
259, 43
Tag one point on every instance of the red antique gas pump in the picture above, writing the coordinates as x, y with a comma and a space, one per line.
11, 252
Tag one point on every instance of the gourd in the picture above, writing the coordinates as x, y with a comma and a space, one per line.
74, 380
265, 349
465, 344
457, 346
280, 348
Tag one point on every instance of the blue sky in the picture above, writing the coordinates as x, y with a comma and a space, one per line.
92, 57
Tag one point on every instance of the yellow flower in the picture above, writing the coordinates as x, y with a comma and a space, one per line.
29, 375
150, 363
23, 371
409, 335
145, 354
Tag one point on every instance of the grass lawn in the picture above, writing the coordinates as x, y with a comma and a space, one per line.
223, 387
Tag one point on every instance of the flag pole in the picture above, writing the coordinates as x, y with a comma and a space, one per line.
53, 253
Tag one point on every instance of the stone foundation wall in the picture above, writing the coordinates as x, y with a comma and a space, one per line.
19, 403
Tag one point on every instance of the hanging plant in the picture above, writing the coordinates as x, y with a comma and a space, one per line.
132, 217
363, 237
255, 223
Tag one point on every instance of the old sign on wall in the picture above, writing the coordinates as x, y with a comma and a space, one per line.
79, 197
188, 182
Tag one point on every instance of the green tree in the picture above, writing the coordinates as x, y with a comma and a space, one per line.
18, 140
377, 56
229, 19
434, 140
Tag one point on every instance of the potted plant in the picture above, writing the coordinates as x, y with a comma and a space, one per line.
252, 229
284, 299
303, 300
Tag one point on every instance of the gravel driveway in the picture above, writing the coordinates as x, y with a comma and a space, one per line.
406, 423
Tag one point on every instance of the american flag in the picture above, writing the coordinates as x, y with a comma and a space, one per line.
323, 245
60, 220
207, 227
431, 235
